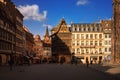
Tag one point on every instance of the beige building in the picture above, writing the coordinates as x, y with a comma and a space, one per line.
88, 42
107, 24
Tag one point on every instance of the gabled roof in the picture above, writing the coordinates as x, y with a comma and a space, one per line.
57, 28
59, 25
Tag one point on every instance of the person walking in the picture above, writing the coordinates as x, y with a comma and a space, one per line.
72, 58
87, 62
11, 62
0, 60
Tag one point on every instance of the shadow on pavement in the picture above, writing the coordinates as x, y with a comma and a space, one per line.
110, 69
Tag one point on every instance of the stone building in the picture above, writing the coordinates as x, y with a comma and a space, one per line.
61, 42
107, 25
10, 20
42, 48
89, 41
46, 46
38, 49
116, 32
28, 42
19, 36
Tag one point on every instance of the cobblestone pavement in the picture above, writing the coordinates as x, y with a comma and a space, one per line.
53, 72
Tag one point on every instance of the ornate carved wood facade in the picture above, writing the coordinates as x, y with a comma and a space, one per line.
61, 41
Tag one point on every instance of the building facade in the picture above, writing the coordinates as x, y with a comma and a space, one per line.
42, 48
11, 31
28, 42
61, 42
38, 49
116, 32
19, 37
46, 46
107, 25
89, 41
7, 31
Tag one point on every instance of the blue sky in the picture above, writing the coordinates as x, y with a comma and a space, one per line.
41, 13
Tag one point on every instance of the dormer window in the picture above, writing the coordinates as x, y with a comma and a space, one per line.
82, 29
86, 28
100, 29
79, 29
75, 29
91, 29
95, 28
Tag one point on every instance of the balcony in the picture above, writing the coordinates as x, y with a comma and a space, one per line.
87, 46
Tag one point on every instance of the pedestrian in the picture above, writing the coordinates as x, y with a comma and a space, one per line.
91, 62
72, 58
0, 60
11, 62
87, 62
28, 61
75, 60
62, 60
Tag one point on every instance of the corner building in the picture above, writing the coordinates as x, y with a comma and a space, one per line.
61, 42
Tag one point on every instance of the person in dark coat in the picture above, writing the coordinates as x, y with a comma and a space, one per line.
87, 62
0, 60
11, 62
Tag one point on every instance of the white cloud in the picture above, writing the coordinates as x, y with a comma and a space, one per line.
47, 25
82, 2
32, 12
